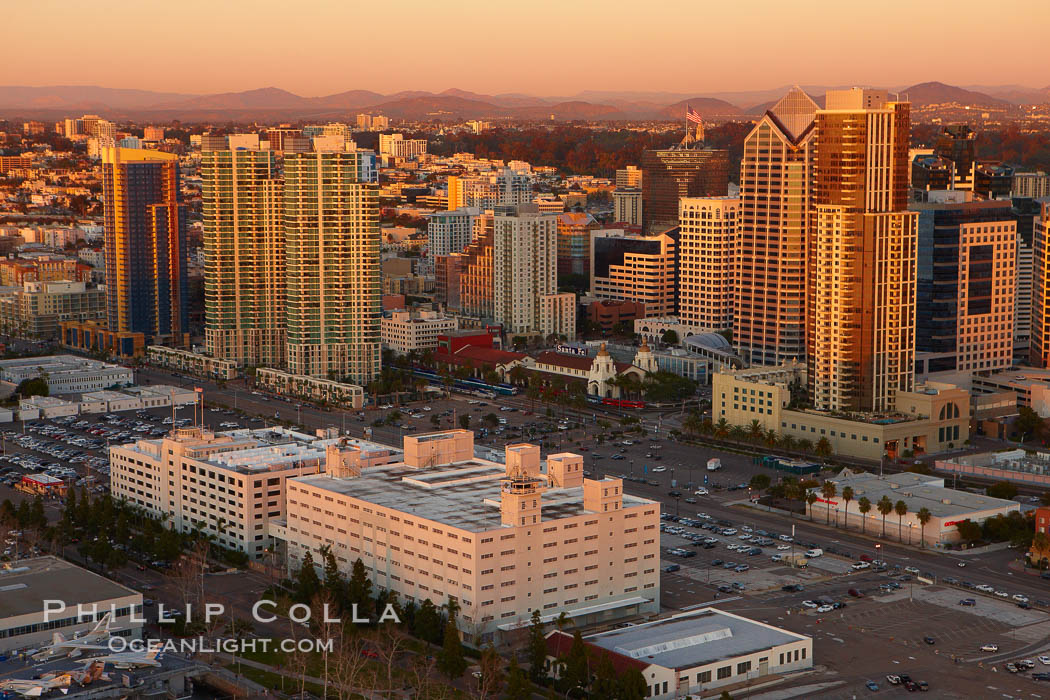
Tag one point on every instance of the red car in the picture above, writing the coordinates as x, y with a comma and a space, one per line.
369, 654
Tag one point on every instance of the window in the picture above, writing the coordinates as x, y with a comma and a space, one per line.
725, 672
743, 667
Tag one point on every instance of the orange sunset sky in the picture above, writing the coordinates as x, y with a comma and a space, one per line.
543, 47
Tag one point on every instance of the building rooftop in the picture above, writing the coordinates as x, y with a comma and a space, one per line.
693, 639
26, 584
464, 495
918, 491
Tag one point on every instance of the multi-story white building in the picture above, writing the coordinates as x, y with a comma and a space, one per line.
228, 485
66, 374
397, 146
191, 362
450, 231
525, 269
558, 315
500, 540
1033, 185
707, 249
310, 388
403, 331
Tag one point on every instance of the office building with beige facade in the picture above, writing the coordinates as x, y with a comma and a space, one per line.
502, 541
631, 267
932, 418
707, 261
407, 331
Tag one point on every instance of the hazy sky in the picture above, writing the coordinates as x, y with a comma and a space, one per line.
549, 47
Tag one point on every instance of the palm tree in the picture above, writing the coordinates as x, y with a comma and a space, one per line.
823, 448
772, 438
693, 424
847, 496
864, 506
811, 498
754, 430
738, 433
805, 445
828, 490
788, 443
901, 509
924, 515
517, 374
722, 429
885, 506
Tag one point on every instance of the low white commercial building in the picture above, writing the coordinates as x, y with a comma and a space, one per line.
502, 540
228, 484
191, 362
948, 507
310, 388
49, 406
66, 374
404, 332
694, 652
28, 584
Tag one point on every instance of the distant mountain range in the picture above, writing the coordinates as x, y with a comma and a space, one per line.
271, 102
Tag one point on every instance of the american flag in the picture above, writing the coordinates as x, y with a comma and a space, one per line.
692, 116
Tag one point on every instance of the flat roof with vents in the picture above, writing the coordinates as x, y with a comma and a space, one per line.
694, 639
24, 588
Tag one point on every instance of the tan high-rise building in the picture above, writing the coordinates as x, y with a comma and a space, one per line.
524, 270
769, 319
1039, 353
244, 280
707, 255
631, 176
331, 221
633, 267
860, 321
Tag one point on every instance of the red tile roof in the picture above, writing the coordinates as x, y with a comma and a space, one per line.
558, 359
559, 643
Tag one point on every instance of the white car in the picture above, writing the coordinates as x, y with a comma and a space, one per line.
743, 536
809, 604
659, 469
1002, 594
428, 408
825, 609
861, 565
990, 647
786, 538
783, 547
962, 564
703, 516
1020, 598
776, 557
912, 570
701, 492
745, 528
1044, 660
985, 588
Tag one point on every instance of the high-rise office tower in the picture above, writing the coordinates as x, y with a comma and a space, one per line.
687, 170
967, 277
1026, 213
524, 268
574, 243
331, 225
860, 319
631, 267
244, 262
769, 319
707, 261
1039, 352
145, 242
631, 176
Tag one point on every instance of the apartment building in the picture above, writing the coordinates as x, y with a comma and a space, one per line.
310, 388
36, 309
524, 269
500, 540
190, 362
627, 205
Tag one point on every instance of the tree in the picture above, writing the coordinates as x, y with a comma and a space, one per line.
518, 687
633, 685
864, 506
1040, 545
725, 695
451, 660
811, 498
464, 421
491, 680
359, 587
924, 515
333, 578
760, 482
969, 530
847, 496
823, 448
901, 509
575, 672
1028, 424
428, 622
307, 584
537, 649
754, 430
670, 337
491, 420
605, 683
1002, 489
828, 490
885, 506
37, 386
